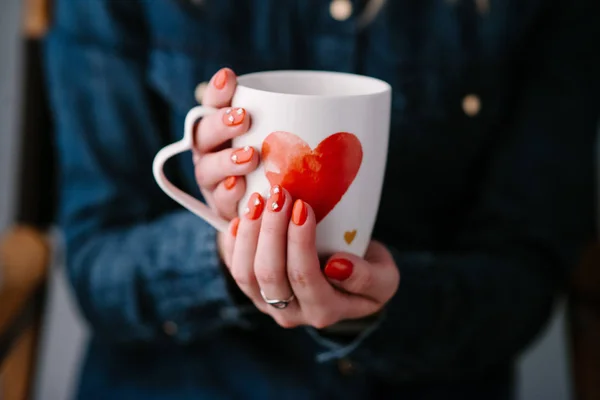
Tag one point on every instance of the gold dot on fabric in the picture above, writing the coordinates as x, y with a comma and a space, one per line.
340, 10
471, 105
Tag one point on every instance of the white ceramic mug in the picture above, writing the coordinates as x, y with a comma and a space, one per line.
323, 136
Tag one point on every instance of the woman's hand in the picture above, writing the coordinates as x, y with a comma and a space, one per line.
219, 169
274, 250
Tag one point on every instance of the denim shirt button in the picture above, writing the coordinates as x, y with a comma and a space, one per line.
199, 92
340, 10
170, 328
346, 367
471, 105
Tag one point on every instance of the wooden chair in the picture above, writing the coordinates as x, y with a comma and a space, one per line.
25, 251
24, 258
583, 316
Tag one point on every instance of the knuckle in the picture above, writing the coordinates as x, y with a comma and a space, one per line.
395, 277
285, 322
197, 134
362, 283
240, 277
300, 241
201, 175
266, 276
297, 240
262, 307
202, 131
298, 277
391, 286
226, 213
323, 321
270, 229
236, 193
225, 206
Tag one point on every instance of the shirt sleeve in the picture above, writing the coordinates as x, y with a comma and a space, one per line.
138, 262
463, 311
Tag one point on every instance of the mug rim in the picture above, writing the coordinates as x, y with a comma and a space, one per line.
379, 86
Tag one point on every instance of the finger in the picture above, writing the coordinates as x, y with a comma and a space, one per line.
270, 261
377, 253
212, 168
376, 280
226, 242
244, 252
227, 194
303, 268
220, 89
214, 130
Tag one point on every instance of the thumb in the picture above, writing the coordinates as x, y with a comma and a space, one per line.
376, 277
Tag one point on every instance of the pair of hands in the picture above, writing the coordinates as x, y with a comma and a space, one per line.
272, 246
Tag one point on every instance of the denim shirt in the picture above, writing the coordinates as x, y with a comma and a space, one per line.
487, 202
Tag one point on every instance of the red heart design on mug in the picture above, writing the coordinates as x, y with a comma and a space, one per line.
321, 176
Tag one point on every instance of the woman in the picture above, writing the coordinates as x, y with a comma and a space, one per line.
487, 201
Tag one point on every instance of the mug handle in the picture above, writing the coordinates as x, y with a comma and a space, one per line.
194, 205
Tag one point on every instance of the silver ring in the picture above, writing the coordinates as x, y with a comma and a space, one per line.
279, 304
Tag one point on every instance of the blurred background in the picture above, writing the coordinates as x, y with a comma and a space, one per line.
41, 333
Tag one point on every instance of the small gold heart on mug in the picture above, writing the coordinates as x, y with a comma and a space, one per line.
349, 236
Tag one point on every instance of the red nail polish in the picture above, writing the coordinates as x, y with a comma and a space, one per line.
220, 79
299, 213
229, 182
235, 223
277, 199
234, 116
255, 207
339, 269
243, 155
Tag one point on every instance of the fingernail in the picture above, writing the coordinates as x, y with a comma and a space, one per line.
255, 207
229, 182
339, 269
234, 116
235, 223
220, 79
243, 155
277, 199
299, 213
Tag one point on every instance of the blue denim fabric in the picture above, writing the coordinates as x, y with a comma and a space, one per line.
485, 212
